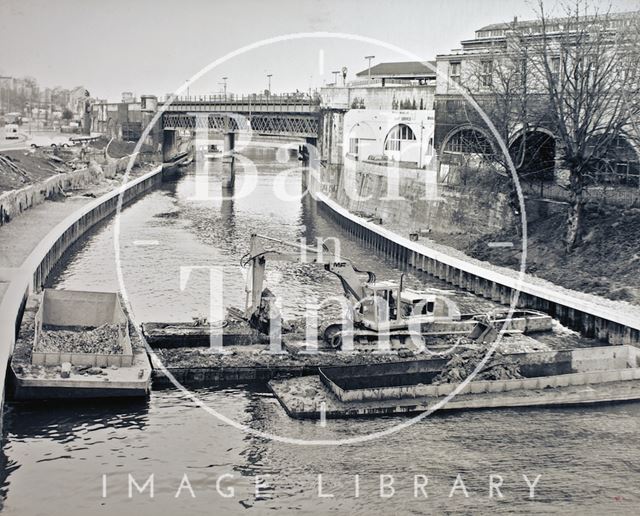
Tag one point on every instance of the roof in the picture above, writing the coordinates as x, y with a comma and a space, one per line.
406, 68
534, 23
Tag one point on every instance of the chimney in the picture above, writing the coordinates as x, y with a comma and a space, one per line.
515, 20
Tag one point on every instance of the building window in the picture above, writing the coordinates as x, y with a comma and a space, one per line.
622, 170
555, 68
520, 75
353, 146
454, 71
398, 134
486, 76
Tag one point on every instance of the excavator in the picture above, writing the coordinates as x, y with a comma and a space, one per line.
378, 309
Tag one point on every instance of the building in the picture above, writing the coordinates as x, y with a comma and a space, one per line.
461, 133
400, 73
126, 120
382, 136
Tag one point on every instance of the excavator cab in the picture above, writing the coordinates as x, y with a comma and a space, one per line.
380, 306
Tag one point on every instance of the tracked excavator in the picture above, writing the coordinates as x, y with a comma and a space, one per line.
378, 309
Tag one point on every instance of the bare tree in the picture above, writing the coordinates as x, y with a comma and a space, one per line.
498, 80
588, 63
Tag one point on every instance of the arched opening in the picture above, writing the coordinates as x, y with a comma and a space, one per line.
534, 154
469, 141
621, 164
465, 152
111, 128
399, 140
361, 141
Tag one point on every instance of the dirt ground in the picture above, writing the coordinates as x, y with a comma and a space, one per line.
119, 149
19, 168
607, 263
30, 167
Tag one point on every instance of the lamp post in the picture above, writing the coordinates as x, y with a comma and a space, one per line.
269, 75
225, 87
2, 106
369, 58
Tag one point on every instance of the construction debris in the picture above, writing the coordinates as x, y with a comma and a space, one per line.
497, 367
102, 340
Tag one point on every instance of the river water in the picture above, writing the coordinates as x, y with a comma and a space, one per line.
76, 458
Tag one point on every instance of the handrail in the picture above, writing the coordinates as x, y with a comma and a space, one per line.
273, 99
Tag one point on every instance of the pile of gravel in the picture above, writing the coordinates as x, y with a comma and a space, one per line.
497, 367
102, 340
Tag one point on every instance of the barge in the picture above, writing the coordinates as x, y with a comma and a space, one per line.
235, 331
568, 377
78, 344
198, 333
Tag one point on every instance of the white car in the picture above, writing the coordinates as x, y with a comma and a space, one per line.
11, 132
51, 141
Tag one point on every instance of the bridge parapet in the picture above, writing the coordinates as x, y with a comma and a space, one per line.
286, 103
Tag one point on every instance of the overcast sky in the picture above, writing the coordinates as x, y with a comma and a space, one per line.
152, 46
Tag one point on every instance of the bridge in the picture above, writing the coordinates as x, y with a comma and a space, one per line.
277, 115
290, 115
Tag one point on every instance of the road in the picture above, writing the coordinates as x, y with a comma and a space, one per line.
27, 138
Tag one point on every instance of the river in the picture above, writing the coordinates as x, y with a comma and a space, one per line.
76, 458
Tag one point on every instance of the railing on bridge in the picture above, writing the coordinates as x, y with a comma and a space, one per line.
286, 102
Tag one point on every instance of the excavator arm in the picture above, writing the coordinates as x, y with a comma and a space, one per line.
263, 248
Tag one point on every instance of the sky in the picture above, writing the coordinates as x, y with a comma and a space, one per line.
154, 46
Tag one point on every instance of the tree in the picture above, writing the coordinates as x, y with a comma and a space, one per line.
498, 81
67, 114
577, 76
588, 62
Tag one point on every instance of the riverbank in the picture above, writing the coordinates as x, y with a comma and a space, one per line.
606, 264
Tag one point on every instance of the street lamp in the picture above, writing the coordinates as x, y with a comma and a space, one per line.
225, 87
269, 75
2, 106
369, 58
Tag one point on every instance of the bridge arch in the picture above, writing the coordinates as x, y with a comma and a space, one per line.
467, 139
534, 153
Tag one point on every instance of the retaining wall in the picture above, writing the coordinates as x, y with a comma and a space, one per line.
419, 202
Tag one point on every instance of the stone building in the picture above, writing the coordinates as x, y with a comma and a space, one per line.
461, 132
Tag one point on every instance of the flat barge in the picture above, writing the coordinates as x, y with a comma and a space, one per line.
577, 376
38, 372
236, 332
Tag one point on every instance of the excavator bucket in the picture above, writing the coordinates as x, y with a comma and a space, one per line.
266, 313
483, 332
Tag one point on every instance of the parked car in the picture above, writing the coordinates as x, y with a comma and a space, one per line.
11, 132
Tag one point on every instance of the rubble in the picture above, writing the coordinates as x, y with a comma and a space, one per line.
101, 340
461, 365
